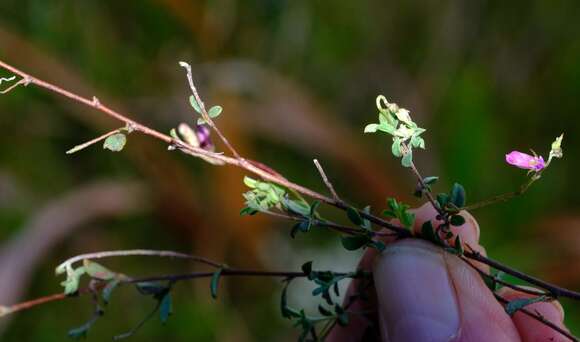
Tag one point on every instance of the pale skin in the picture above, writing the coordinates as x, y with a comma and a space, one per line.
417, 285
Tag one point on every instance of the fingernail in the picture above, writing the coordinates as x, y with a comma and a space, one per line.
417, 301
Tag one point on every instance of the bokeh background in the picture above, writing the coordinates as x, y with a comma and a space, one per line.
297, 80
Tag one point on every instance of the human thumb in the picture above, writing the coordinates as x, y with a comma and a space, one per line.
417, 301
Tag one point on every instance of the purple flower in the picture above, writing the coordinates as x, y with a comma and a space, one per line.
525, 161
203, 136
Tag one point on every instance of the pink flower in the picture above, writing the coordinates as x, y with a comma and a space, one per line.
525, 161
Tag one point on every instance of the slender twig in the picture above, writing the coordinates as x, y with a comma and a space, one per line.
7, 79
328, 224
93, 141
256, 168
326, 180
228, 272
502, 197
137, 252
8, 310
553, 290
24, 81
274, 177
538, 317
204, 113
424, 186
495, 279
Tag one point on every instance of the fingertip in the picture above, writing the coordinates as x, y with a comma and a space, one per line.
529, 328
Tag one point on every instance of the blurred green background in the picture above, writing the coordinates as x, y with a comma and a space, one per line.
297, 80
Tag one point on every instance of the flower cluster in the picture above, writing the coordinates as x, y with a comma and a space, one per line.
397, 122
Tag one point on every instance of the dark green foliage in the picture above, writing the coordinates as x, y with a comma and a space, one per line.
399, 211
214, 283
166, 308
354, 216
517, 304
457, 220
429, 234
82, 331
108, 290
457, 195
353, 243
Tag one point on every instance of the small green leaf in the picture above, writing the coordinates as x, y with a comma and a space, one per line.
108, 290
353, 243
378, 245
248, 211
393, 204
458, 246
165, 307
429, 233
98, 271
407, 159
298, 207
457, 196
342, 319
287, 312
442, 199
303, 226
307, 268
115, 142
324, 311
194, 104
71, 284
250, 182
430, 180
214, 284
417, 142
317, 291
173, 134
517, 304
78, 333
490, 283
389, 213
81, 332
314, 207
387, 128
457, 220
354, 216
396, 148
371, 128
214, 111
407, 219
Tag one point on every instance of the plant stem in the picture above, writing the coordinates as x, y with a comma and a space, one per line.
138, 252
273, 176
502, 197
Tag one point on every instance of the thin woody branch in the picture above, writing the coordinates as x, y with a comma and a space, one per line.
268, 175
228, 272
204, 113
137, 252
326, 180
